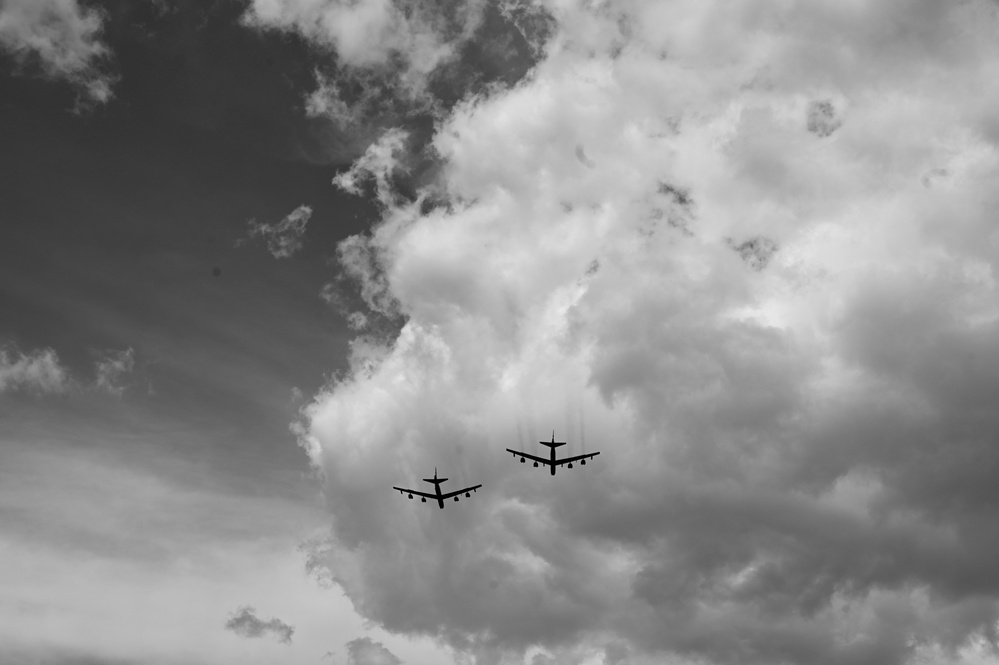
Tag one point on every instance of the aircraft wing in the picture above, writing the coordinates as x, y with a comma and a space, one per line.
457, 492
429, 496
529, 456
577, 457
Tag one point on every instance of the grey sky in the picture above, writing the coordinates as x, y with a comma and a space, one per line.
746, 251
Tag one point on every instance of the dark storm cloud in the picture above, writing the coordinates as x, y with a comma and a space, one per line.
822, 120
756, 252
365, 651
244, 623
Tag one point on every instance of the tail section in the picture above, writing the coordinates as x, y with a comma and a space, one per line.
553, 443
435, 480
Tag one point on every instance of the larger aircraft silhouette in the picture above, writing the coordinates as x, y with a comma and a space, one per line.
552, 461
437, 488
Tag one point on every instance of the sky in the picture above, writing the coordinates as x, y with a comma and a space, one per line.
262, 260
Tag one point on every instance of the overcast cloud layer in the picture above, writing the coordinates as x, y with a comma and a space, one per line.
747, 251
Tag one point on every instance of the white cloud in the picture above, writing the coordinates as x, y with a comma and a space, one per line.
666, 245
284, 238
110, 367
65, 39
39, 371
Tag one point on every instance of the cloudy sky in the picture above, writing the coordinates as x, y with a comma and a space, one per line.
260, 260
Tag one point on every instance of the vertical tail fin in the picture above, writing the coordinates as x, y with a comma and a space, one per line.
553, 443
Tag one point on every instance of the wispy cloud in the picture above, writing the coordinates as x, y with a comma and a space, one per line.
244, 623
110, 367
284, 238
38, 371
365, 651
63, 37
369, 34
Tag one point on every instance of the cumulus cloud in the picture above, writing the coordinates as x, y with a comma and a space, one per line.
63, 38
778, 320
245, 623
284, 238
383, 63
39, 371
365, 651
111, 366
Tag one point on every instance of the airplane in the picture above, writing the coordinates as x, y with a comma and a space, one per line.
437, 487
553, 461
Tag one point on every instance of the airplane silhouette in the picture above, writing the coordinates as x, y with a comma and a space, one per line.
553, 461
437, 487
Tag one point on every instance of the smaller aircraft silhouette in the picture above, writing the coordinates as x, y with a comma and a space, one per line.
552, 461
437, 487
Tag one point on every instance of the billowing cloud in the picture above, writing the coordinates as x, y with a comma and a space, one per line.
245, 623
365, 651
39, 371
746, 251
387, 63
110, 367
63, 38
284, 238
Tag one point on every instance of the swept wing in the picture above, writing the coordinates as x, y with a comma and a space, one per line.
416, 492
457, 492
577, 457
529, 456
